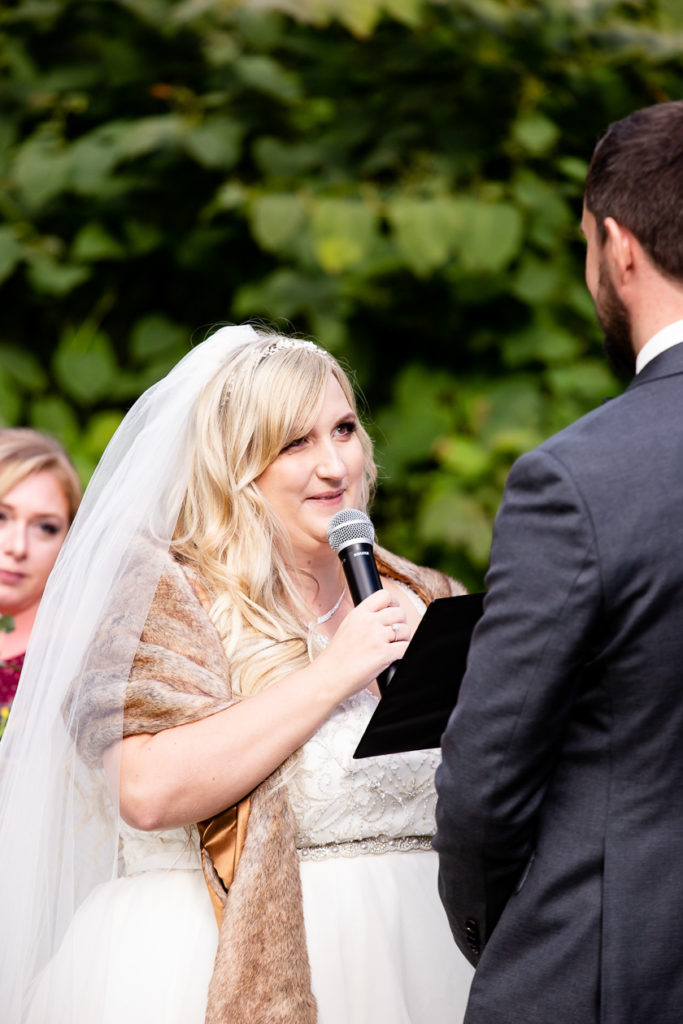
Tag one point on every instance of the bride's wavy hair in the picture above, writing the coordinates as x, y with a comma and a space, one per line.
268, 394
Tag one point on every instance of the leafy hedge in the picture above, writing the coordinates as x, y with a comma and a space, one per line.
400, 179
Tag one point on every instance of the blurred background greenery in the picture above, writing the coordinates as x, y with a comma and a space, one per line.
400, 179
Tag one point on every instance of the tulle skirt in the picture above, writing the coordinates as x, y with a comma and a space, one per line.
379, 944
141, 949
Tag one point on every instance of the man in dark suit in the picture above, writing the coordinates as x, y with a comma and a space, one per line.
560, 813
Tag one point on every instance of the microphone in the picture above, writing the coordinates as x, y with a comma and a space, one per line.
351, 534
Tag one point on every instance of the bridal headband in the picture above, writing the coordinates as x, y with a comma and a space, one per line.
280, 344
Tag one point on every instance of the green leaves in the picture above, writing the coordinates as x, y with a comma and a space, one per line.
276, 220
6, 623
84, 365
424, 234
489, 235
343, 232
10, 251
400, 178
424, 230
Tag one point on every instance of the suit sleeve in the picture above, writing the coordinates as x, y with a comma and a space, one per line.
500, 745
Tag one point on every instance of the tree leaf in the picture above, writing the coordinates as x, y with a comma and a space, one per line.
10, 399
406, 11
41, 169
536, 281
360, 16
276, 219
23, 368
55, 416
84, 364
591, 381
93, 242
466, 457
535, 133
53, 278
216, 142
343, 231
154, 335
10, 251
489, 235
419, 414
424, 231
459, 521
266, 75
547, 344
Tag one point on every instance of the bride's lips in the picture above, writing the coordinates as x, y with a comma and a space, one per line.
329, 498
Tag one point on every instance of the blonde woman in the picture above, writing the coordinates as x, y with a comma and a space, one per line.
39, 494
222, 680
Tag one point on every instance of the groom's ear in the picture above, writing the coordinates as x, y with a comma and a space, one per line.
619, 249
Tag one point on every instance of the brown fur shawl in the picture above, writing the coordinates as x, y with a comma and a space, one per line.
180, 674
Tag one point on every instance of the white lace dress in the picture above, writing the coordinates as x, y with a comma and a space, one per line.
141, 949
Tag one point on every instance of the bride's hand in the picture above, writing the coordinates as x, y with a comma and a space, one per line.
369, 639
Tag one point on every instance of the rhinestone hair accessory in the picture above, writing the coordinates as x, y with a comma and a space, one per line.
283, 343
279, 345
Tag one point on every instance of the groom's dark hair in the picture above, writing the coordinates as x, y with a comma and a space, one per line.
636, 177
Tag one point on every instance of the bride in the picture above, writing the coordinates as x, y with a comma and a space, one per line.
186, 836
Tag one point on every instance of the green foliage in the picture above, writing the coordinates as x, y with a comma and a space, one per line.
400, 178
6, 623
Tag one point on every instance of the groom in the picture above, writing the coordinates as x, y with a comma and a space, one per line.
560, 814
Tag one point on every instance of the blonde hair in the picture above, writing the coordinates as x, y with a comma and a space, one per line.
268, 394
24, 451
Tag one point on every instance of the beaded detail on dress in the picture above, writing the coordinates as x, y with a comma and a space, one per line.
361, 847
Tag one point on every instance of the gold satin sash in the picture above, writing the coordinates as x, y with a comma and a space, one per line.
223, 838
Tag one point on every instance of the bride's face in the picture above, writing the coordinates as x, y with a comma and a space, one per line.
318, 474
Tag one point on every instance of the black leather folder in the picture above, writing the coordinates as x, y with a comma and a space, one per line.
418, 701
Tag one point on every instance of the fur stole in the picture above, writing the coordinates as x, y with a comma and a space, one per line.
180, 674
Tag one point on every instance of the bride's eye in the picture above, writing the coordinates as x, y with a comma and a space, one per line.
297, 443
347, 428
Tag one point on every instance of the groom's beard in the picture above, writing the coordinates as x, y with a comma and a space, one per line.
616, 325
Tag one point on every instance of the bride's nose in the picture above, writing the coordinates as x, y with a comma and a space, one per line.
330, 463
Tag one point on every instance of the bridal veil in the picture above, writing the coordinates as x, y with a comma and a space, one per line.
58, 820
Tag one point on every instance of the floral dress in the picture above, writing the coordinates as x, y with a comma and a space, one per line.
9, 680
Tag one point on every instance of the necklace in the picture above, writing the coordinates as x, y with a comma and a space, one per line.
335, 607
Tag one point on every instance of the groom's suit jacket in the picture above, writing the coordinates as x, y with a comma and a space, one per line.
560, 812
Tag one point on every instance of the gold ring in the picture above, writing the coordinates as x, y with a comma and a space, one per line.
395, 629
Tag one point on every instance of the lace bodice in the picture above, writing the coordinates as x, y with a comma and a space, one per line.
152, 851
337, 799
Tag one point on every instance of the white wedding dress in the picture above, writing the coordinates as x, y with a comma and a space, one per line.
379, 944
141, 948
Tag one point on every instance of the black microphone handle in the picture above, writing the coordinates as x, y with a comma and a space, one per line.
360, 569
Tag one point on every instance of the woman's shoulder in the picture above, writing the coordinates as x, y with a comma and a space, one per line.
428, 583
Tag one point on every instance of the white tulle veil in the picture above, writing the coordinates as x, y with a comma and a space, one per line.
58, 823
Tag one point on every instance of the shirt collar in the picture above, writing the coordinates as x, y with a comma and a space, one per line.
658, 343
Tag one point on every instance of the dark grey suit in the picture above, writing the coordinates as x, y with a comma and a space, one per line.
560, 814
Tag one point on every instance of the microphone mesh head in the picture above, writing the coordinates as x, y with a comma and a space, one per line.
350, 526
